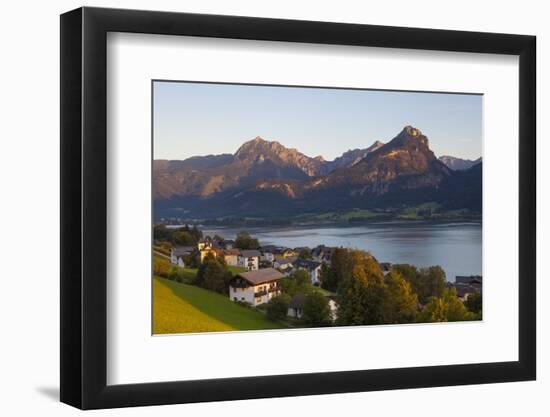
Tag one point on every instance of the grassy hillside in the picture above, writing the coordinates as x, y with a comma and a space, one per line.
182, 308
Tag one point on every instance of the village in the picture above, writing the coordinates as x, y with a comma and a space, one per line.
265, 267
292, 284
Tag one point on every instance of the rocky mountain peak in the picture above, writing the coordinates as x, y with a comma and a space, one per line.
409, 137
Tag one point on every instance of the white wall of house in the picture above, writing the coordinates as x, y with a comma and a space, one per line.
268, 256
294, 312
176, 260
250, 263
314, 274
247, 294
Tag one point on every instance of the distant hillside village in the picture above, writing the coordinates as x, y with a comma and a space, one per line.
318, 286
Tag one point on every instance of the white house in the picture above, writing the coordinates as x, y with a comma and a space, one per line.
177, 254
249, 259
267, 256
296, 306
255, 287
313, 268
284, 263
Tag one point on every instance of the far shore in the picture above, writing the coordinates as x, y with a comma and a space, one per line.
257, 224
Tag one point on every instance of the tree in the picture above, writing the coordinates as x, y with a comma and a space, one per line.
401, 301
161, 267
304, 254
411, 275
446, 308
324, 276
474, 303
245, 241
433, 281
362, 293
332, 276
213, 275
298, 282
316, 310
161, 232
425, 283
192, 260
277, 307
182, 237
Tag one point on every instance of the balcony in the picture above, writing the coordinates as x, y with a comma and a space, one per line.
260, 293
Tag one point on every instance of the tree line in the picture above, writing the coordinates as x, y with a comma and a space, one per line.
406, 294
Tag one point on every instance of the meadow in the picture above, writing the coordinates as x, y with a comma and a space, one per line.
184, 308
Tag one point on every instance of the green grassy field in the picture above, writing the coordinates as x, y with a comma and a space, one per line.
183, 308
236, 269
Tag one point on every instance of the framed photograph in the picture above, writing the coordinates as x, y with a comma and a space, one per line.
259, 208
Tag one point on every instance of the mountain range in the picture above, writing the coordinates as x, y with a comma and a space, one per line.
458, 164
264, 178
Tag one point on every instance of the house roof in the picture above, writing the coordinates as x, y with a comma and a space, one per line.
261, 276
463, 279
182, 250
307, 264
286, 261
270, 248
250, 253
323, 250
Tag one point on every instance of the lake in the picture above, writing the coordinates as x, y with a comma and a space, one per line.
456, 247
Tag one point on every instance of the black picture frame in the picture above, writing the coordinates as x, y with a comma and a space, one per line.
84, 207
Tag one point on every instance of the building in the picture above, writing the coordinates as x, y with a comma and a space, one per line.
177, 254
204, 243
296, 306
284, 263
249, 259
231, 257
467, 285
313, 268
207, 250
268, 254
322, 253
466, 279
284, 253
255, 287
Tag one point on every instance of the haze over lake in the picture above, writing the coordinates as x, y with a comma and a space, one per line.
456, 247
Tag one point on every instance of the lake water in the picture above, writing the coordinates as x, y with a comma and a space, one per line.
456, 247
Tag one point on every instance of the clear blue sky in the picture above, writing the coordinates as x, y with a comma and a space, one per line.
201, 119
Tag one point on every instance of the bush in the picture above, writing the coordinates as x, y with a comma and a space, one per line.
474, 303
161, 268
173, 273
448, 307
316, 310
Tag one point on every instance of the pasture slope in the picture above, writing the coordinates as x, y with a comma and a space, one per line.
184, 308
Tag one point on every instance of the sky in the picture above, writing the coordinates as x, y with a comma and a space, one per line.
193, 119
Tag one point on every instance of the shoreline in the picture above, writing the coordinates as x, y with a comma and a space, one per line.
299, 225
